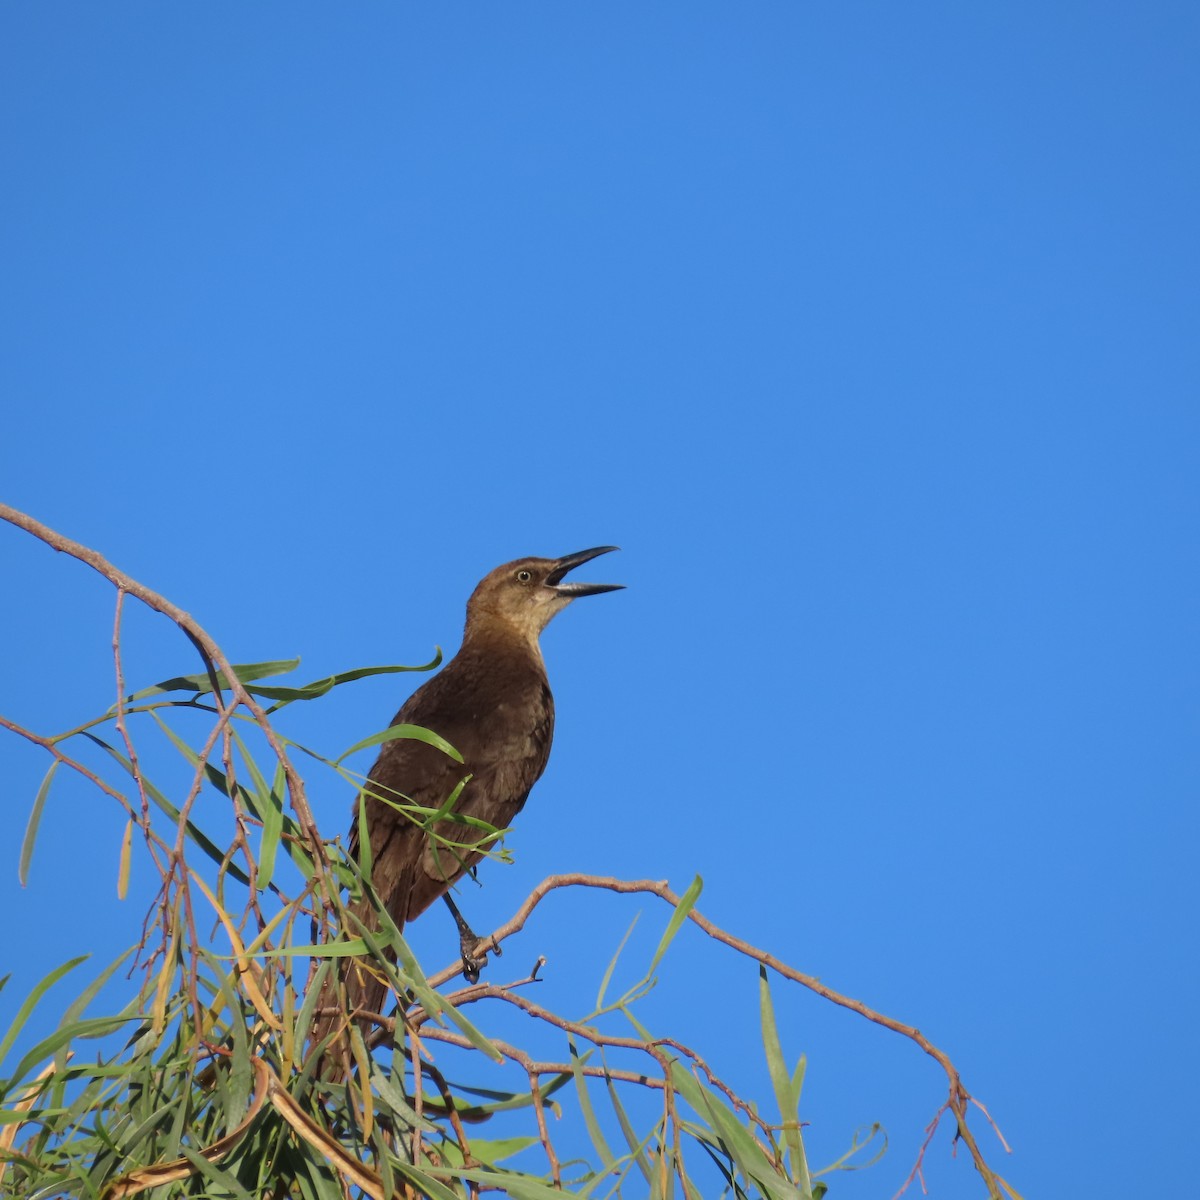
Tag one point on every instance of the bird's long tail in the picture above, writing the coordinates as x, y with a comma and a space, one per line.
365, 992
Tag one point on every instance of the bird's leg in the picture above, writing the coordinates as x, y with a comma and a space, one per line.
468, 939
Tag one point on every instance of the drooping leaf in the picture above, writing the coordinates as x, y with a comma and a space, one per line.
612, 965
319, 687
194, 833
123, 867
786, 1096
31, 827
201, 683
585, 1105
416, 732
686, 903
32, 1000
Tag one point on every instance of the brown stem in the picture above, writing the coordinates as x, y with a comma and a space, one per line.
212, 655
958, 1097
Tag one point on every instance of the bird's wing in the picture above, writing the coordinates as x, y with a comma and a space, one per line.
503, 770
505, 746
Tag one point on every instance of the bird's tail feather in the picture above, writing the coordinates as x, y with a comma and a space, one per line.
365, 992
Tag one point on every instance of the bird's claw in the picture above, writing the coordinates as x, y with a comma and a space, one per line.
471, 965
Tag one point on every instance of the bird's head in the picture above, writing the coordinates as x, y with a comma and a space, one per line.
525, 595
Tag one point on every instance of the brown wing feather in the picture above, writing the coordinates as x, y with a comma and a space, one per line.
497, 711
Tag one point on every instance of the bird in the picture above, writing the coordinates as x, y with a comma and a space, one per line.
492, 703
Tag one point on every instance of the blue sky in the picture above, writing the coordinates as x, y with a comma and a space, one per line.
868, 331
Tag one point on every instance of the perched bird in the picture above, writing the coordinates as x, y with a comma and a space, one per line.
492, 703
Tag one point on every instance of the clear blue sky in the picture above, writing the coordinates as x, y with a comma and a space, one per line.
867, 330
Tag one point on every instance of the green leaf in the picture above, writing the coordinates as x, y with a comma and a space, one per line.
214, 775
200, 684
612, 967
31, 1001
201, 839
427, 1184
31, 828
211, 1171
392, 1094
636, 1147
415, 732
412, 976
786, 1097
747, 1153
857, 1147
319, 687
686, 904
92, 1027
366, 855
488, 1152
798, 1076
125, 861
349, 948
79, 1005
585, 1105
509, 1101
272, 830
267, 803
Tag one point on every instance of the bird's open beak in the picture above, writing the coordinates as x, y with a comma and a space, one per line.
569, 562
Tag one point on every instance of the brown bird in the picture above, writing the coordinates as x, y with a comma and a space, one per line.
492, 703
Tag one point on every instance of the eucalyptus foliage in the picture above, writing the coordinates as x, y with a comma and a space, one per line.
203, 1079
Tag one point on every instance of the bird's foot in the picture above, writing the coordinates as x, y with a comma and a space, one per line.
468, 942
471, 965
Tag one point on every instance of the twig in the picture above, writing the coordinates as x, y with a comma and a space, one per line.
958, 1097
539, 1109
214, 661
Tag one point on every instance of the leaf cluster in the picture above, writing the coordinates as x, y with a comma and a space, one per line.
208, 1078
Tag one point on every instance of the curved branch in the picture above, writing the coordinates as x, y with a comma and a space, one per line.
210, 653
958, 1098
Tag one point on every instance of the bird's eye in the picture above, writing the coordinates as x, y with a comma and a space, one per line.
524, 576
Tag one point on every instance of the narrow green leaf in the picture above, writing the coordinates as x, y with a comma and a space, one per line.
214, 774
201, 839
412, 976
639, 1028
509, 1101
798, 1076
512, 1183
91, 1027
32, 1000
305, 1016
488, 1152
31, 828
366, 856
80, 1004
726, 1167
636, 1147
416, 732
430, 1186
349, 948
319, 687
392, 1094
213, 1172
747, 1153
612, 967
200, 684
585, 1105
124, 863
856, 1148
686, 903
787, 1099
272, 830
267, 803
